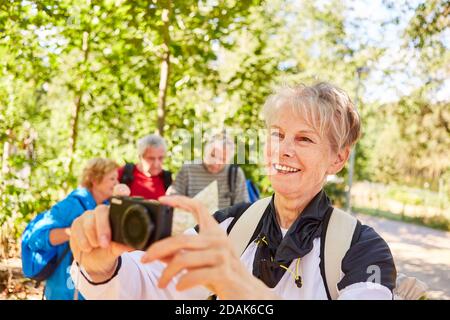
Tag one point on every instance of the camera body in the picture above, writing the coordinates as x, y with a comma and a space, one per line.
137, 222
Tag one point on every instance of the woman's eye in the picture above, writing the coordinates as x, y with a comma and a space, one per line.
304, 139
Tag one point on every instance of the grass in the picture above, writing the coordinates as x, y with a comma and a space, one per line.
415, 196
439, 222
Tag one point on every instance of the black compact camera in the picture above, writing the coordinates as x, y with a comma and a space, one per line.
138, 222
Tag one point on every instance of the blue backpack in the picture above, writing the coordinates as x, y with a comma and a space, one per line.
39, 265
253, 192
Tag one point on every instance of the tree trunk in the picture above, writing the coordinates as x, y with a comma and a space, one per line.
5, 157
78, 99
165, 67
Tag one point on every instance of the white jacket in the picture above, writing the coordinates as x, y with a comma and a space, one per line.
136, 281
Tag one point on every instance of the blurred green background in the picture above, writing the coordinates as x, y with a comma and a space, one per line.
80, 79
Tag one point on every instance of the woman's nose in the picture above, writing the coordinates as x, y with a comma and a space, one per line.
286, 148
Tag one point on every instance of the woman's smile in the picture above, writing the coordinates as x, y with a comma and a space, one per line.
285, 169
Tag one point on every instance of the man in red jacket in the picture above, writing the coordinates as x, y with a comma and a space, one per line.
147, 178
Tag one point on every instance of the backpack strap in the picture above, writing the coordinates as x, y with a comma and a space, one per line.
53, 268
244, 228
336, 240
232, 178
242, 231
167, 179
127, 176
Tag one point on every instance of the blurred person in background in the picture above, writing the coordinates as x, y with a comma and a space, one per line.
147, 178
194, 177
51, 233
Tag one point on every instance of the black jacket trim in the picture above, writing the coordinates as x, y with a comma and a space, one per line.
326, 220
119, 264
231, 212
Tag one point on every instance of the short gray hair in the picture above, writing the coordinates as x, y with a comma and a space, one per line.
324, 106
150, 141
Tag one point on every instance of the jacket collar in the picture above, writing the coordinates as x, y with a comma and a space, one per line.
298, 242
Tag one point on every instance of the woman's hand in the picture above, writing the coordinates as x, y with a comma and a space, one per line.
209, 258
91, 245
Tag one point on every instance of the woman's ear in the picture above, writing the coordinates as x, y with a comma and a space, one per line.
95, 182
340, 158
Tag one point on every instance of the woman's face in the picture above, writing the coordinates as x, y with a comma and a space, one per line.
298, 158
106, 185
215, 157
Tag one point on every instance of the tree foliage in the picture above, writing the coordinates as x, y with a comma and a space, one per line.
80, 79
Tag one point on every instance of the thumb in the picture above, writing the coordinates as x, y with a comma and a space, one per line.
117, 249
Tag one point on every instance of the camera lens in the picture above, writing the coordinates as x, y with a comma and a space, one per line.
136, 227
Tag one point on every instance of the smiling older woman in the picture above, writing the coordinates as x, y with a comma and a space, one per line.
311, 132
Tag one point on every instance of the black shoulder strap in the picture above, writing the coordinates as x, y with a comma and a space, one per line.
82, 204
167, 178
232, 178
63, 255
127, 176
50, 268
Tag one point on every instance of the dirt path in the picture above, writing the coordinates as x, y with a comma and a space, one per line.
418, 251
12, 284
